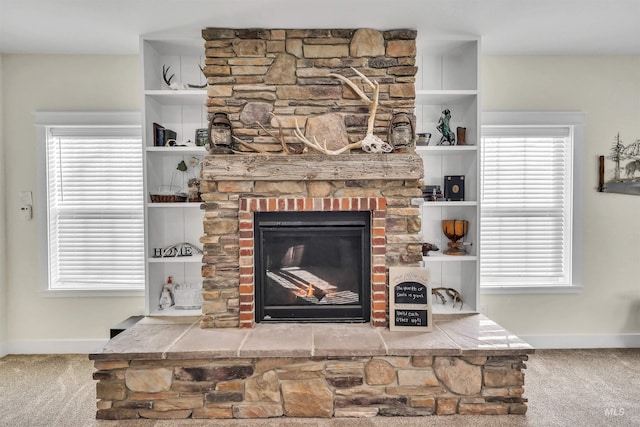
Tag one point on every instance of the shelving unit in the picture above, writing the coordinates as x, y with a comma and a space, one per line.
182, 111
448, 78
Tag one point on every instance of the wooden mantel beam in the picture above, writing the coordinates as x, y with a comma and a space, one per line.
312, 167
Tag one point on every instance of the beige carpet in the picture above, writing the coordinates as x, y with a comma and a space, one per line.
565, 388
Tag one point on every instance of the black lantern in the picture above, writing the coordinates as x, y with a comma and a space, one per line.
220, 134
401, 134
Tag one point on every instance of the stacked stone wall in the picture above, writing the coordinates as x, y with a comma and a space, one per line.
228, 275
271, 80
311, 387
254, 74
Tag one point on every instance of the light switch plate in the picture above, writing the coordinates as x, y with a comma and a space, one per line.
26, 198
27, 212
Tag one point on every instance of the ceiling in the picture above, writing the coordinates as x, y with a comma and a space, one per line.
507, 27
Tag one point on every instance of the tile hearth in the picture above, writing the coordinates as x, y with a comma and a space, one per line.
172, 368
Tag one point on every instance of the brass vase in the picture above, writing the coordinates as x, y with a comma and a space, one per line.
455, 229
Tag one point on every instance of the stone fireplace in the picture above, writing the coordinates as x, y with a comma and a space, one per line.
269, 82
236, 187
229, 362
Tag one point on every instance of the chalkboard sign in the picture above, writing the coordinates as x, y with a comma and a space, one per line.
410, 293
409, 299
411, 318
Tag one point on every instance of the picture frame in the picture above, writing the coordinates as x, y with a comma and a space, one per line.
624, 175
454, 188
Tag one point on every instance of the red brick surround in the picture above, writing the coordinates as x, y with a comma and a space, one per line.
376, 205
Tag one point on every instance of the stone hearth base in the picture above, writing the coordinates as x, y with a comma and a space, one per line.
166, 368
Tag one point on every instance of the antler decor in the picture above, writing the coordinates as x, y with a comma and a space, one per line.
370, 143
179, 86
286, 149
249, 146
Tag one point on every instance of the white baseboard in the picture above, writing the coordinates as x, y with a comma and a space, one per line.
3, 349
54, 346
582, 341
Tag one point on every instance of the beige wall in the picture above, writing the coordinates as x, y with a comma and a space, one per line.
3, 237
607, 90
54, 83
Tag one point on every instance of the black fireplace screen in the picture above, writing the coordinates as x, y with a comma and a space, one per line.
313, 266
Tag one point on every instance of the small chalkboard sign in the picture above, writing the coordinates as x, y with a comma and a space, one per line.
409, 299
411, 318
410, 293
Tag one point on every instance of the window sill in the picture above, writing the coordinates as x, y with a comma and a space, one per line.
91, 293
503, 290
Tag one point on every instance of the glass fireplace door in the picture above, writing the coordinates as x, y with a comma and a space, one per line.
312, 266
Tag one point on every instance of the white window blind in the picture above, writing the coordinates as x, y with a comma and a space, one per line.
95, 208
526, 206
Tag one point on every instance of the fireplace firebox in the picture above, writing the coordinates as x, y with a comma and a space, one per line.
313, 266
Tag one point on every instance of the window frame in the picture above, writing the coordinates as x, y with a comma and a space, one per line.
44, 121
575, 120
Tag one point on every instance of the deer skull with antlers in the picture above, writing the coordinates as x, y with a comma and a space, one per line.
370, 143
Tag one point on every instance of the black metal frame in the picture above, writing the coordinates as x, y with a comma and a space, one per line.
352, 223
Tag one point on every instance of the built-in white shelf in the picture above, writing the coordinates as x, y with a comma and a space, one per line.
174, 312
447, 78
189, 205
440, 257
447, 309
183, 111
182, 259
177, 97
177, 150
444, 149
448, 204
444, 97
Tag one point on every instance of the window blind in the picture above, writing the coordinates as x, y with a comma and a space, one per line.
95, 208
526, 204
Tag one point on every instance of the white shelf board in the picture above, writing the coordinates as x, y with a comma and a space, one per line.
177, 150
447, 204
177, 97
445, 149
440, 257
172, 311
174, 205
443, 311
196, 259
444, 97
